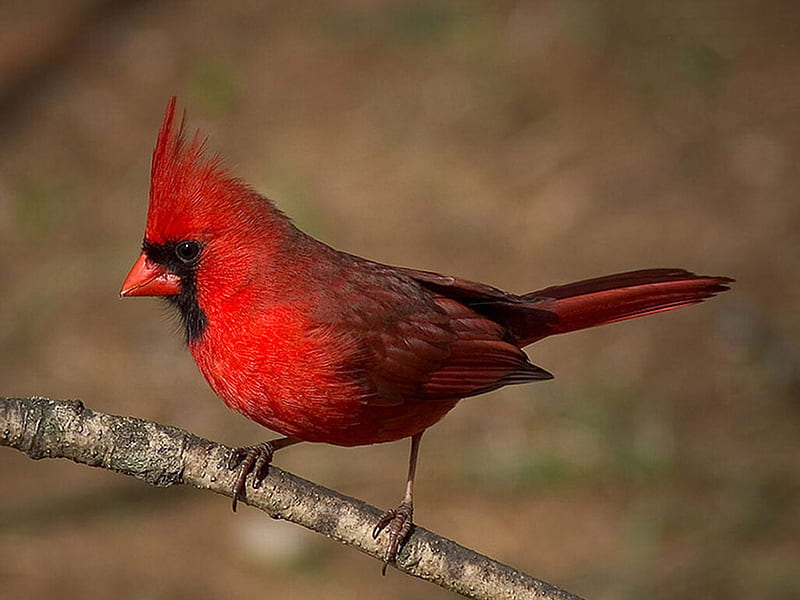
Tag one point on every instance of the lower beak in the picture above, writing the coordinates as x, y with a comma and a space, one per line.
149, 279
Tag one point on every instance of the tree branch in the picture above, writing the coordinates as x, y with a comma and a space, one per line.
162, 456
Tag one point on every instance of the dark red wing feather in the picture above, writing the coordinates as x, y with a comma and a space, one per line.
481, 357
426, 346
463, 354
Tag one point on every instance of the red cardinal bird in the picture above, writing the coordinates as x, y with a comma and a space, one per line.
324, 346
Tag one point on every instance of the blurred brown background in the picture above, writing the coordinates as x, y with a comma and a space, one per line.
520, 143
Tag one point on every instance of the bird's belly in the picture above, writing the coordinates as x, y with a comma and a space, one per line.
330, 414
341, 422
301, 392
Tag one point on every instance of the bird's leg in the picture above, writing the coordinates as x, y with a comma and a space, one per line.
255, 460
398, 521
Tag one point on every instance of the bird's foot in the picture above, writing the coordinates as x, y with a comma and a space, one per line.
397, 522
250, 459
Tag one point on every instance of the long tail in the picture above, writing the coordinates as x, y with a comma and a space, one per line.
564, 308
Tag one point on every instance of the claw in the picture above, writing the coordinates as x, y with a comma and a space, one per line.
397, 522
385, 519
250, 459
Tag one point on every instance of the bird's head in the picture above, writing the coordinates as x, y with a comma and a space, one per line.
206, 229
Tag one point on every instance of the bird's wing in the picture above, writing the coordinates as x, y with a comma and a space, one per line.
518, 315
482, 357
419, 345
458, 288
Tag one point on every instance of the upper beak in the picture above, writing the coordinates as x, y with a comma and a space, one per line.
149, 279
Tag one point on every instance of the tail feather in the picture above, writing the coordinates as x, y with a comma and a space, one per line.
613, 298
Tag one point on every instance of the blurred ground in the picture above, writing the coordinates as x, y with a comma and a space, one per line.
524, 144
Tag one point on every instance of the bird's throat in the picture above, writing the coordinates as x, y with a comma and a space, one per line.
193, 318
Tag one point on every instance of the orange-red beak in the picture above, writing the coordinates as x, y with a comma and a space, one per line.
149, 279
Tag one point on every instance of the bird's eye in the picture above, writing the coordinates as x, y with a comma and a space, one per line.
187, 251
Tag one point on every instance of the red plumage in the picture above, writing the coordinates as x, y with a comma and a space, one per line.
324, 346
